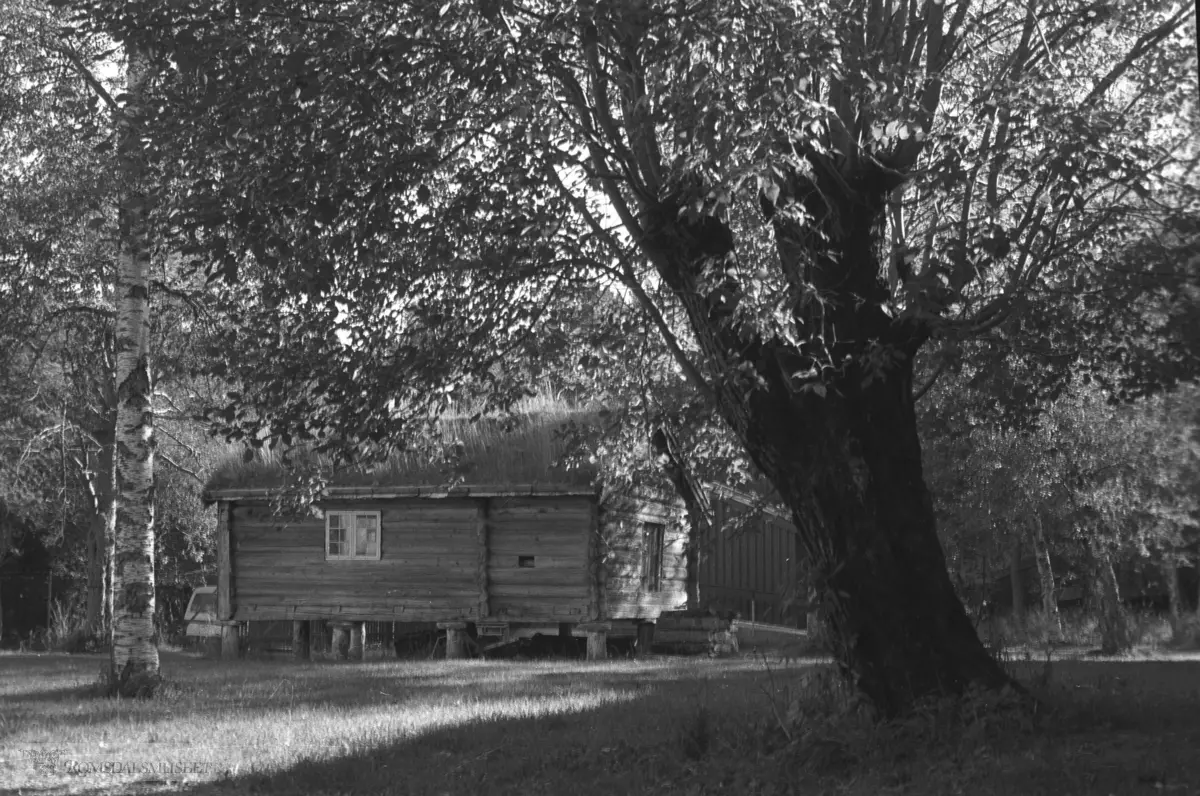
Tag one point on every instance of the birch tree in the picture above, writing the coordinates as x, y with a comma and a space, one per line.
134, 648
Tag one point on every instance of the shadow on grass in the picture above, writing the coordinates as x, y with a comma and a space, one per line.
658, 727
610, 749
433, 726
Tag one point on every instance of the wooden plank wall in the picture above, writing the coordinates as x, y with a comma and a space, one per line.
427, 570
459, 559
752, 562
552, 529
623, 531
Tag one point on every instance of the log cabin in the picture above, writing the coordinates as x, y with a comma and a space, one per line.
521, 546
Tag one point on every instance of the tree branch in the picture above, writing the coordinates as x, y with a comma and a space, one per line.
628, 277
1144, 44
919, 394
164, 457
90, 79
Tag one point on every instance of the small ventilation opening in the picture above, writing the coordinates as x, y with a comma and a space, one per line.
525, 561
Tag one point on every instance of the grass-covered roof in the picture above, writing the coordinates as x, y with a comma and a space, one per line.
539, 446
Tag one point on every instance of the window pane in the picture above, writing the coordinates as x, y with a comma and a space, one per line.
366, 528
337, 536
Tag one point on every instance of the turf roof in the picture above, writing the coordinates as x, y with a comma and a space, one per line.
529, 448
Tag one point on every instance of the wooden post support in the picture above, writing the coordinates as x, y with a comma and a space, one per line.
597, 639
358, 645
225, 607
389, 639
341, 641
455, 644
645, 638
597, 645
481, 573
230, 641
300, 642
316, 635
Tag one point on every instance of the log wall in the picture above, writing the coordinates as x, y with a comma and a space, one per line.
624, 524
427, 569
553, 531
457, 559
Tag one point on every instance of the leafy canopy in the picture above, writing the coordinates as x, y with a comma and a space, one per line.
405, 198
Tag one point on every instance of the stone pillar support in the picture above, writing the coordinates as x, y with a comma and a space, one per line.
456, 646
597, 639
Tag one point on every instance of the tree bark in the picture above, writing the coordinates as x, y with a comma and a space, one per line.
1041, 555
831, 423
695, 501
101, 484
1170, 572
1016, 581
133, 645
1116, 631
5, 543
1197, 564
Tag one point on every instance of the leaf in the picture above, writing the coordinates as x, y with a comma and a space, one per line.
770, 190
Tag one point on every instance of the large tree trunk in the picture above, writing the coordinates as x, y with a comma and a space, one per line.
831, 423
695, 501
1197, 564
1116, 631
1016, 582
134, 650
1170, 573
1041, 554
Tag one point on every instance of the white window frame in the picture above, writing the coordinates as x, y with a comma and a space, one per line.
349, 520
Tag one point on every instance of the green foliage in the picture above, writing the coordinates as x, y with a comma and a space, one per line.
406, 202
1124, 476
483, 174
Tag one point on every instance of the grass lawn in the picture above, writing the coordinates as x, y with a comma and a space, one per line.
669, 726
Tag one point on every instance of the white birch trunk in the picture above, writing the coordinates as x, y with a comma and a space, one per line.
101, 485
133, 644
1041, 554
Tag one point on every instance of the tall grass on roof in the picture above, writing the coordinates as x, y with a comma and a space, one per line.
540, 443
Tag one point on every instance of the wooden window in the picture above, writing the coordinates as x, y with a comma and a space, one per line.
654, 536
351, 535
